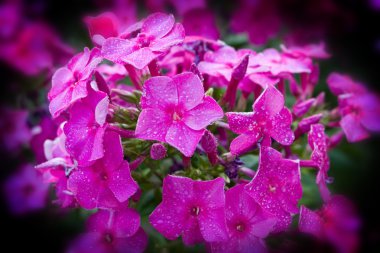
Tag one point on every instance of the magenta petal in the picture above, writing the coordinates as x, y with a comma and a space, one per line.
60, 81
158, 24
217, 232
183, 138
190, 90
153, 124
281, 130
270, 102
174, 37
114, 49
191, 232
114, 155
310, 222
140, 58
126, 222
241, 122
159, 91
133, 244
352, 128
84, 185
121, 183
244, 142
168, 220
203, 114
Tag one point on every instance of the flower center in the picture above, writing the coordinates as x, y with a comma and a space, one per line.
176, 116
195, 211
272, 188
108, 238
240, 227
103, 176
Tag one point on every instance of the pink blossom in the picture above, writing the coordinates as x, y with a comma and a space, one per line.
116, 231
276, 186
319, 143
69, 83
176, 111
316, 51
191, 209
25, 190
221, 63
86, 126
200, 22
336, 222
107, 182
278, 63
247, 223
47, 129
176, 61
14, 130
269, 119
158, 33
360, 115
340, 84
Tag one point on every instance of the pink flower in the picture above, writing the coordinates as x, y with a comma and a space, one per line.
86, 126
177, 60
115, 231
247, 223
176, 111
69, 83
191, 209
316, 51
25, 190
14, 130
103, 26
158, 33
107, 182
340, 84
336, 222
200, 22
47, 129
278, 63
269, 119
319, 143
221, 63
276, 186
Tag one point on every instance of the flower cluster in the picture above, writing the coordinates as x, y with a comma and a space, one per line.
150, 112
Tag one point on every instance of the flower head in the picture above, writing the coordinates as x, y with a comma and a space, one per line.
191, 209
107, 182
276, 186
176, 111
247, 224
157, 34
69, 84
269, 119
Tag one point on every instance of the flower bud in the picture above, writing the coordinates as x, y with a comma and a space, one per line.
157, 151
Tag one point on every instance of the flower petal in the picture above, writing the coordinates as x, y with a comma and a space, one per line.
352, 128
158, 24
114, 49
183, 138
159, 92
244, 142
121, 183
241, 122
203, 114
174, 37
281, 130
270, 102
190, 90
140, 58
153, 124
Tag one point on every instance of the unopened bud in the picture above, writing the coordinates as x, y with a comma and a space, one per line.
157, 151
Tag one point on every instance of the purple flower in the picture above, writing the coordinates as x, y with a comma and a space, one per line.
191, 209
69, 84
340, 84
336, 222
25, 190
107, 182
269, 119
176, 111
158, 33
276, 186
86, 126
319, 143
116, 231
247, 224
